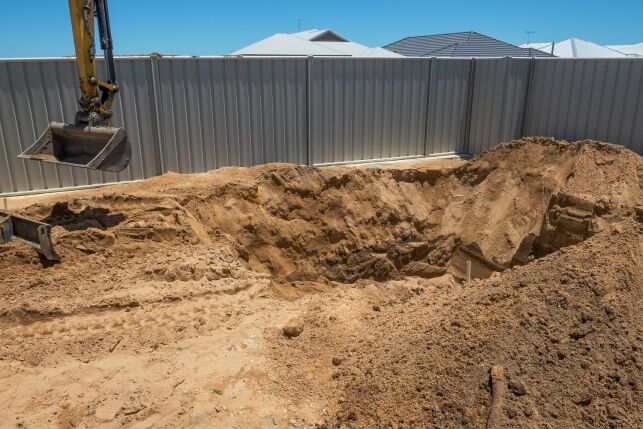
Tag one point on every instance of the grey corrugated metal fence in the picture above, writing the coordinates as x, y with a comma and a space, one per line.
500, 93
598, 99
359, 107
241, 112
196, 114
449, 105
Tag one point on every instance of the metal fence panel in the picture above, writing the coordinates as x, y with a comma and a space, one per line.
135, 109
499, 96
232, 112
599, 99
36, 92
367, 108
448, 105
26, 107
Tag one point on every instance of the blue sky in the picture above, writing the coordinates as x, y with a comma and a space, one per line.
33, 28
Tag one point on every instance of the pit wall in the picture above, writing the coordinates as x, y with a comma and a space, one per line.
196, 114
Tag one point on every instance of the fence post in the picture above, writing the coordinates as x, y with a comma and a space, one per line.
309, 149
428, 107
503, 103
467, 124
525, 110
158, 107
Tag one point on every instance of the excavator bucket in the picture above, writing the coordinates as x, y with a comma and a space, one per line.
97, 148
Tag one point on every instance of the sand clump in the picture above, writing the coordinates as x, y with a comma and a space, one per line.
290, 296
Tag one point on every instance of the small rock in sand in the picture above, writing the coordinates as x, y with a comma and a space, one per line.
517, 388
293, 328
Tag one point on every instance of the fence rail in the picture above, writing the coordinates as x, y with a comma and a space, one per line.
196, 114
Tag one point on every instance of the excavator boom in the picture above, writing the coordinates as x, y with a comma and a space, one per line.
89, 142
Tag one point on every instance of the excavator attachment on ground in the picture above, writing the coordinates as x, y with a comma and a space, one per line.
34, 233
89, 142
97, 148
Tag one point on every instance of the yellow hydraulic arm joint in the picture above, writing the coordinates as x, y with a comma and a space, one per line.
82, 22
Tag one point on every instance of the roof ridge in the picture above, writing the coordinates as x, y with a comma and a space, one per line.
329, 31
497, 40
438, 34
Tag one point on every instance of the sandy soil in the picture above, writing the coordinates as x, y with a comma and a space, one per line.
288, 296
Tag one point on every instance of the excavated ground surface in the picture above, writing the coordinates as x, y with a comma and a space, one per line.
169, 305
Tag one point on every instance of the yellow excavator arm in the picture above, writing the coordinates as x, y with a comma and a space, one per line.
89, 142
94, 110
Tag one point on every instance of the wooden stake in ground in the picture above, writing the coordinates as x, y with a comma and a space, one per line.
498, 389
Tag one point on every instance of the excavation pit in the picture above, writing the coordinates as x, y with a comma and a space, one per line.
193, 277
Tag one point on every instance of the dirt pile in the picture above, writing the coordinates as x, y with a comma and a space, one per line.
565, 329
198, 274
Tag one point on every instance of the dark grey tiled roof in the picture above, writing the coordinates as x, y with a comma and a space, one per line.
464, 44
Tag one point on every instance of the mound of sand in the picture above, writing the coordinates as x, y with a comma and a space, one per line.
565, 329
371, 261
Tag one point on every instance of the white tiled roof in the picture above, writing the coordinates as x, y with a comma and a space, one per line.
576, 48
301, 43
633, 50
